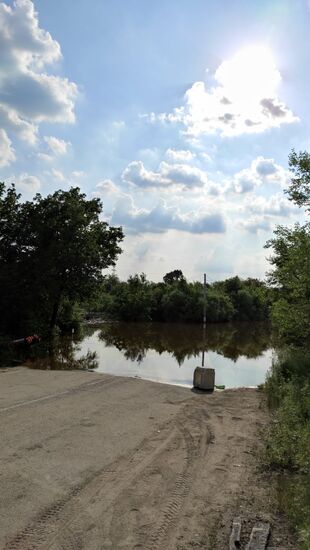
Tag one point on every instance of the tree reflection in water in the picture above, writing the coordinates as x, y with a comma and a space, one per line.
60, 354
185, 341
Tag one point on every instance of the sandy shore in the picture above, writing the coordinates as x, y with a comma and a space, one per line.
90, 461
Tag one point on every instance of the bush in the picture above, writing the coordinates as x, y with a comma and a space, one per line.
288, 440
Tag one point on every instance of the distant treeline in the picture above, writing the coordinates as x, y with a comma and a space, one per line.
177, 300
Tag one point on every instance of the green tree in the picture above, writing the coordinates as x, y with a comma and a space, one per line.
219, 307
299, 189
291, 275
55, 249
173, 276
291, 261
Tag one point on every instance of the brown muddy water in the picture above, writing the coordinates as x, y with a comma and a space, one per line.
240, 353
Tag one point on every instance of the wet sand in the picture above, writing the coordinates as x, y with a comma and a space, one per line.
91, 461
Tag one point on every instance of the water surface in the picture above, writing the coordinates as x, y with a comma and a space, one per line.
240, 353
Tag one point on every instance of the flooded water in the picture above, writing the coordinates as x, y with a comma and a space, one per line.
241, 354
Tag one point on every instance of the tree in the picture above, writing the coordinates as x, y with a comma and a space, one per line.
291, 274
291, 261
57, 246
299, 189
173, 276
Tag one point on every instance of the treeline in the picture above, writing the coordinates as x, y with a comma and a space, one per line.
288, 386
177, 300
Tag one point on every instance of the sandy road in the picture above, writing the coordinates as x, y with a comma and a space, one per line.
90, 461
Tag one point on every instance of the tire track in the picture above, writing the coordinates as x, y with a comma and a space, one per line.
193, 437
61, 520
197, 447
66, 393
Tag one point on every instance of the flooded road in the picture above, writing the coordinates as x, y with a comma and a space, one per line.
241, 354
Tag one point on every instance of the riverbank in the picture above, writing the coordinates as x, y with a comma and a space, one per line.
94, 461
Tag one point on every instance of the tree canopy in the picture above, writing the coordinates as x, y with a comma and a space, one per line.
291, 261
173, 276
52, 251
299, 189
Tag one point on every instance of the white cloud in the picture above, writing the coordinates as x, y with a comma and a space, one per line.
7, 154
245, 181
107, 187
243, 100
261, 171
265, 167
27, 184
29, 95
276, 205
256, 223
205, 157
58, 175
11, 122
45, 157
162, 218
168, 175
77, 174
179, 155
56, 145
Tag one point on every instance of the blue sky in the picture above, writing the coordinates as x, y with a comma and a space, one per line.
178, 114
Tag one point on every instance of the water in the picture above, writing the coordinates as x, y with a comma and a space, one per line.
241, 354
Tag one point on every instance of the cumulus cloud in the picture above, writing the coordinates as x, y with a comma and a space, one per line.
11, 122
265, 167
261, 171
56, 145
243, 100
161, 218
107, 187
276, 205
182, 175
255, 224
179, 155
7, 154
29, 95
27, 184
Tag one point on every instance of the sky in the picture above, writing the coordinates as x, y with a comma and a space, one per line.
178, 114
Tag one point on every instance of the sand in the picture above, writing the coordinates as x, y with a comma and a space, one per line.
91, 461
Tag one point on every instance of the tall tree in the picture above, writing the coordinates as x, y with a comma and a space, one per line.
173, 276
58, 246
299, 189
291, 261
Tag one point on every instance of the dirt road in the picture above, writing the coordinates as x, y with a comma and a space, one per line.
89, 461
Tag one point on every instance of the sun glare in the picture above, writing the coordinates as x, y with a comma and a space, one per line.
250, 74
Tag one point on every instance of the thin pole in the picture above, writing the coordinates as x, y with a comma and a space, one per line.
204, 300
204, 316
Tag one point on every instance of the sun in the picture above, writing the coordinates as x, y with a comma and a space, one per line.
250, 75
